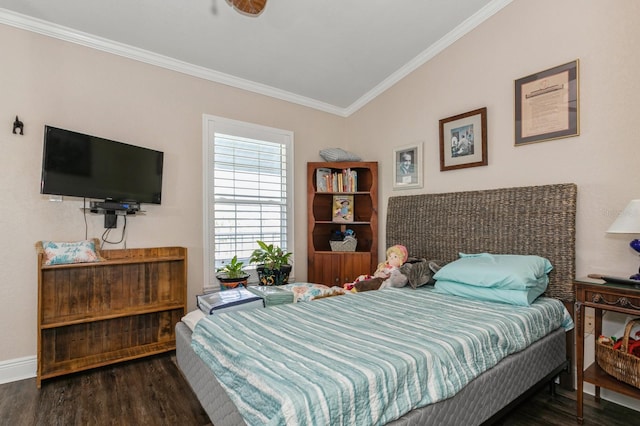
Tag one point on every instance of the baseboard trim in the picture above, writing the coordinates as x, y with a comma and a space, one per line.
18, 369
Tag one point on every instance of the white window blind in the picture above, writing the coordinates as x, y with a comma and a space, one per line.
250, 187
249, 191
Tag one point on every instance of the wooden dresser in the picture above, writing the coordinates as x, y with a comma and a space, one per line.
122, 308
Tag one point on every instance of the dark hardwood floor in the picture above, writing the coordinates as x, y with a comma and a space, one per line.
560, 410
149, 391
152, 391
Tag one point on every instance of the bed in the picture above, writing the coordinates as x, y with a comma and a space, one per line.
531, 220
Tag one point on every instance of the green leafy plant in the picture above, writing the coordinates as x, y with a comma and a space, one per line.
273, 264
233, 269
269, 255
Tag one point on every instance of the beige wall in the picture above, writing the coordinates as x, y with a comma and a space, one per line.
479, 71
47, 81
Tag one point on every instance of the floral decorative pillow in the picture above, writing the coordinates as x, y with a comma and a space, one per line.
59, 253
306, 292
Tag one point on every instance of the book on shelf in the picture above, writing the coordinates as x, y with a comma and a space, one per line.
336, 180
323, 176
234, 299
342, 208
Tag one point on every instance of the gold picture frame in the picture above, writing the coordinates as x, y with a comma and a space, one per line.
547, 105
463, 140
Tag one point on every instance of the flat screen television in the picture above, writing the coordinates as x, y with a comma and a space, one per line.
79, 165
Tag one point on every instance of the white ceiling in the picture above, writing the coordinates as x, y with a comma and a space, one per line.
332, 55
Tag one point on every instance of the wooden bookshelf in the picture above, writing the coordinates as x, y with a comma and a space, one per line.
122, 308
334, 267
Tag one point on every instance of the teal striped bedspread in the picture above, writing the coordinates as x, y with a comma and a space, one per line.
366, 358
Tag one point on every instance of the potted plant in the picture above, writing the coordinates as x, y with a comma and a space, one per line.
231, 275
273, 264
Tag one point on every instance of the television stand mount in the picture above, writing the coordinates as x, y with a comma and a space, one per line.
112, 209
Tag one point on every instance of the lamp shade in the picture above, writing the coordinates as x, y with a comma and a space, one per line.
628, 222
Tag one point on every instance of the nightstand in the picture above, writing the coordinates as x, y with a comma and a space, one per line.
602, 297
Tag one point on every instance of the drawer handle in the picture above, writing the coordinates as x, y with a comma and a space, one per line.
621, 301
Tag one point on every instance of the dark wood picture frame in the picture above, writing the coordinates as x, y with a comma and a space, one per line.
547, 105
463, 140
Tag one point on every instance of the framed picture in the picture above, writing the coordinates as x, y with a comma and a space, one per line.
463, 140
547, 105
407, 167
342, 208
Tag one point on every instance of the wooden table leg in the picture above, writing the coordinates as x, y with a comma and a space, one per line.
596, 334
579, 320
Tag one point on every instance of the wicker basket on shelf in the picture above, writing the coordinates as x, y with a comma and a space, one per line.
618, 362
348, 244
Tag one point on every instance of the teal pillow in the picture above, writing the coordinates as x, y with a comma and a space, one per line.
504, 271
512, 297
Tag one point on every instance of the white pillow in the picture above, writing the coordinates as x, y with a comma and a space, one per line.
192, 318
338, 154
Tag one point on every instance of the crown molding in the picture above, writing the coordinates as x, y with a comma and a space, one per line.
465, 27
49, 29
59, 32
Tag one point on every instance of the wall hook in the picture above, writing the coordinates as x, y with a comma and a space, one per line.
18, 125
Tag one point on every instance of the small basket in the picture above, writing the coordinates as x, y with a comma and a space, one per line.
617, 362
348, 244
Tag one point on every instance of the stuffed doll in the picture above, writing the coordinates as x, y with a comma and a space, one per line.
386, 275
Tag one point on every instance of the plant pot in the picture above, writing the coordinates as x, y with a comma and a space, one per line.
274, 276
227, 283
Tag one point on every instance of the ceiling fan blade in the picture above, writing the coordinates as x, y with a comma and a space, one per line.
252, 7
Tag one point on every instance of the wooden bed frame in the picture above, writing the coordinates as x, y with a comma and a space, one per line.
527, 220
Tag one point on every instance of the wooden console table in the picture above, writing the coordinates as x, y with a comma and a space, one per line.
602, 297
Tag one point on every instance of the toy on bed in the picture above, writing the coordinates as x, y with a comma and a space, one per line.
387, 275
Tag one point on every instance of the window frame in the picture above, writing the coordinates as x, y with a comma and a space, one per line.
215, 124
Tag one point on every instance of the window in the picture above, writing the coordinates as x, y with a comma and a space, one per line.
248, 191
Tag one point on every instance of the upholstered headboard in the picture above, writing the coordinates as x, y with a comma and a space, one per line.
526, 220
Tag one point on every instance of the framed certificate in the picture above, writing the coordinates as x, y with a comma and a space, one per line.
547, 105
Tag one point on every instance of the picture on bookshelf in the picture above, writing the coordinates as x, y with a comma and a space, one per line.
342, 208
